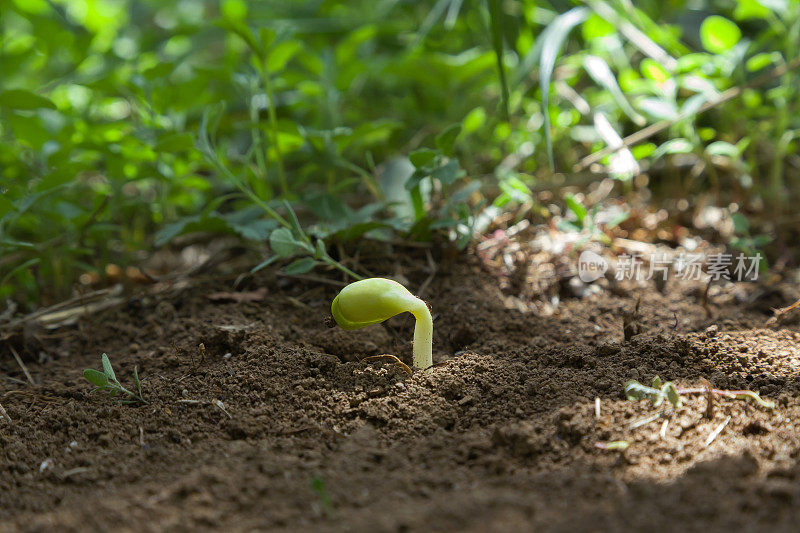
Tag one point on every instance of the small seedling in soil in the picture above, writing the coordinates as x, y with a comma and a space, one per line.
635, 391
107, 380
659, 392
374, 300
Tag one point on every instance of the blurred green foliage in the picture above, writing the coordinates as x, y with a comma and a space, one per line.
125, 123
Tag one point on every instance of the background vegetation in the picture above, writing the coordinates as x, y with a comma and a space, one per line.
299, 126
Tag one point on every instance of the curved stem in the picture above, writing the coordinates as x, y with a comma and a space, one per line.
423, 336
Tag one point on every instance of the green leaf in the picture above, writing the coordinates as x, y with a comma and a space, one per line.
24, 100
107, 368
172, 230
673, 146
600, 72
233, 9
750, 9
447, 173
653, 70
300, 266
759, 61
256, 230
719, 34
722, 148
137, 381
740, 224
422, 157
671, 393
293, 220
95, 377
577, 209
283, 243
281, 54
596, 27
447, 139
474, 120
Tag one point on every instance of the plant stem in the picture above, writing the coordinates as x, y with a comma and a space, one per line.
259, 147
423, 335
273, 124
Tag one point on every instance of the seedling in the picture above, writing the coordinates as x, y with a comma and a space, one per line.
107, 380
374, 300
635, 391
659, 392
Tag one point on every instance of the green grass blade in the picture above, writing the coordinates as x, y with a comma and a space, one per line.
138, 381
108, 370
496, 20
434, 14
601, 73
553, 39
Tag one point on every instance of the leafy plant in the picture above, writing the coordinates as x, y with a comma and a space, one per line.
592, 225
374, 300
107, 380
437, 202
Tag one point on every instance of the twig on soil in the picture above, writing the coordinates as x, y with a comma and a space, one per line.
21, 365
68, 312
714, 434
709, 400
734, 394
778, 313
4, 414
705, 302
393, 358
429, 279
11, 308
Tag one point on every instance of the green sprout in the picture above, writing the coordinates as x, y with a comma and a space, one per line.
659, 392
107, 380
374, 300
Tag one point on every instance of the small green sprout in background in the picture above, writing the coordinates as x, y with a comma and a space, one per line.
318, 486
107, 380
374, 300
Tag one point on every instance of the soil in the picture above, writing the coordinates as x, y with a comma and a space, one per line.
260, 417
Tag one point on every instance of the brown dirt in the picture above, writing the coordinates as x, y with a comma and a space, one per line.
500, 436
